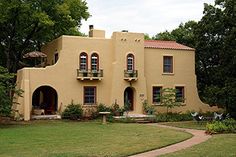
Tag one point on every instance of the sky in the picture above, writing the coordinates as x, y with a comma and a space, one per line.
144, 16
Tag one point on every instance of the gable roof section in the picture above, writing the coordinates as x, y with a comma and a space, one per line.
161, 44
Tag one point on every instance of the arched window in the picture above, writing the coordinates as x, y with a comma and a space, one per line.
83, 61
94, 61
130, 62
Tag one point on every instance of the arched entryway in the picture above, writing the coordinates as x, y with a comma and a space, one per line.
129, 97
45, 98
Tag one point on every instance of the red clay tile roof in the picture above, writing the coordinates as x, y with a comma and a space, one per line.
160, 44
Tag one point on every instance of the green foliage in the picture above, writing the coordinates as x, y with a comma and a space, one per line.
7, 91
216, 53
103, 108
168, 98
213, 37
147, 108
146, 37
117, 110
73, 112
225, 126
183, 34
173, 117
27, 25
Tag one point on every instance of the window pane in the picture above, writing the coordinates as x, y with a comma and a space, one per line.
179, 94
94, 62
130, 62
156, 94
168, 64
83, 62
89, 95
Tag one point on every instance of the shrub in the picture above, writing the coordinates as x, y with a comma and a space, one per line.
73, 112
225, 126
8, 92
103, 108
173, 117
147, 108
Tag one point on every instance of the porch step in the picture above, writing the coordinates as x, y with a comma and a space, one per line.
45, 117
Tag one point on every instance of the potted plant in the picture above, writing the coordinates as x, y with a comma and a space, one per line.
121, 111
115, 109
85, 73
95, 73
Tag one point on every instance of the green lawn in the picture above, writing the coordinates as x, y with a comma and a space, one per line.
188, 124
70, 139
222, 145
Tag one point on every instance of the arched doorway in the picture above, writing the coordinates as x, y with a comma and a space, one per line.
129, 98
45, 97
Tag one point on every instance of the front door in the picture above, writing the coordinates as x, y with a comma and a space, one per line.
129, 98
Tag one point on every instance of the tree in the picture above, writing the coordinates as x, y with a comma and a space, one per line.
27, 25
164, 36
7, 91
184, 34
215, 37
147, 37
168, 99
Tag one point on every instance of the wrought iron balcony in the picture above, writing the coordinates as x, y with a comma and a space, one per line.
89, 74
130, 75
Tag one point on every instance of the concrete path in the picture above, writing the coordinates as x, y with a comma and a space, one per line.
199, 136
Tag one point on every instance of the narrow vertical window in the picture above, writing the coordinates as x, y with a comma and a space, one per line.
168, 64
130, 62
56, 57
179, 94
83, 61
94, 62
156, 94
90, 95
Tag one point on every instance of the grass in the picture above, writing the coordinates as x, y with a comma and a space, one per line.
70, 139
188, 124
221, 145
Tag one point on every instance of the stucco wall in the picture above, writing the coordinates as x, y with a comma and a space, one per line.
183, 75
62, 76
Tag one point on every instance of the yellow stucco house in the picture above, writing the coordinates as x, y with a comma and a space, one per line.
94, 69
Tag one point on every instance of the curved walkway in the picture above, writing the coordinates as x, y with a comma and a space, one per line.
199, 136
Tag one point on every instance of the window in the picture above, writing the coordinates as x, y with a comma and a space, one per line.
89, 95
56, 57
130, 62
156, 94
83, 61
94, 62
168, 64
179, 94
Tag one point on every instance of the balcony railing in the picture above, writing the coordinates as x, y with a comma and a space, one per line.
131, 75
89, 74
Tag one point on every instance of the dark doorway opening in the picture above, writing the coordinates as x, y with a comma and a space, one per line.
129, 98
45, 98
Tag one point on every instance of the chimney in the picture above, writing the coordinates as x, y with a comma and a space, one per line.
91, 27
125, 31
95, 33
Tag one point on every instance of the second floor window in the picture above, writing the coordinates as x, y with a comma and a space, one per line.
168, 64
83, 61
94, 62
130, 62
